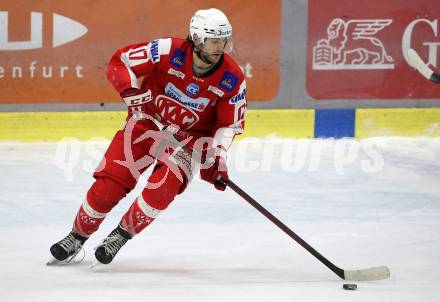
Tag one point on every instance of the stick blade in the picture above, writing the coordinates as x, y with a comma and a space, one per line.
369, 274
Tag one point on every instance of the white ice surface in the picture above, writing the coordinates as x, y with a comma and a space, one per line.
212, 246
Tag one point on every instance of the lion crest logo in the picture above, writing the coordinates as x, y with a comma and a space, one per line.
352, 45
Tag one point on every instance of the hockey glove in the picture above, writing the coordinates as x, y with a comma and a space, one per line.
135, 97
214, 170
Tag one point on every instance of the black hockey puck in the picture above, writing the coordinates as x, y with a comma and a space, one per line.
349, 286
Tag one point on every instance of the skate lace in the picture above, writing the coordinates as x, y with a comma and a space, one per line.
71, 244
113, 244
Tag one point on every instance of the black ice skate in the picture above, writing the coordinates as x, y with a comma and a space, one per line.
110, 246
67, 248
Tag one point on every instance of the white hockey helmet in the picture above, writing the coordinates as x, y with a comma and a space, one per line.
209, 23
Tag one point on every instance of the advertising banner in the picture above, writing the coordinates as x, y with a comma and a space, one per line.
359, 49
57, 51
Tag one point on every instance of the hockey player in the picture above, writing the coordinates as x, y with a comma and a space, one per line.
192, 97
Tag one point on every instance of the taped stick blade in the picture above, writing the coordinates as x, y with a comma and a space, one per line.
369, 274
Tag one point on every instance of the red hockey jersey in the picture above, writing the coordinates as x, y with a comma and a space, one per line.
212, 105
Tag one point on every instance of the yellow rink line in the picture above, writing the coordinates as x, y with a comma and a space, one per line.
397, 122
54, 126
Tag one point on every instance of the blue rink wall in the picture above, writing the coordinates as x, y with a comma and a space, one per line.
293, 123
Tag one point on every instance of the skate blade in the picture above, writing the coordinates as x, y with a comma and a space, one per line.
96, 265
52, 261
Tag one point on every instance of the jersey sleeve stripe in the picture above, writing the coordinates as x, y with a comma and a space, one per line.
133, 78
164, 46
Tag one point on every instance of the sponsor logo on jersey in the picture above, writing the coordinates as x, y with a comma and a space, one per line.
215, 90
192, 89
175, 112
198, 79
178, 58
198, 104
154, 51
228, 81
241, 95
177, 73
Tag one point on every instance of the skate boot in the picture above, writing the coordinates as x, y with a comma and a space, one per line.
67, 248
110, 246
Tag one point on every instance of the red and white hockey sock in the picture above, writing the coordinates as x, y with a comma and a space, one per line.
138, 216
87, 220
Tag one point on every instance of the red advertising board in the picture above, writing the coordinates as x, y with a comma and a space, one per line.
57, 51
358, 49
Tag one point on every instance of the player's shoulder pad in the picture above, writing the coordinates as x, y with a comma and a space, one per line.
180, 51
232, 81
232, 76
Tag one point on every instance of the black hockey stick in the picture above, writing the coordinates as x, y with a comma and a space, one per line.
418, 63
374, 273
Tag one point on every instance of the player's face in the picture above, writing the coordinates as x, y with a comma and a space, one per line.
213, 48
